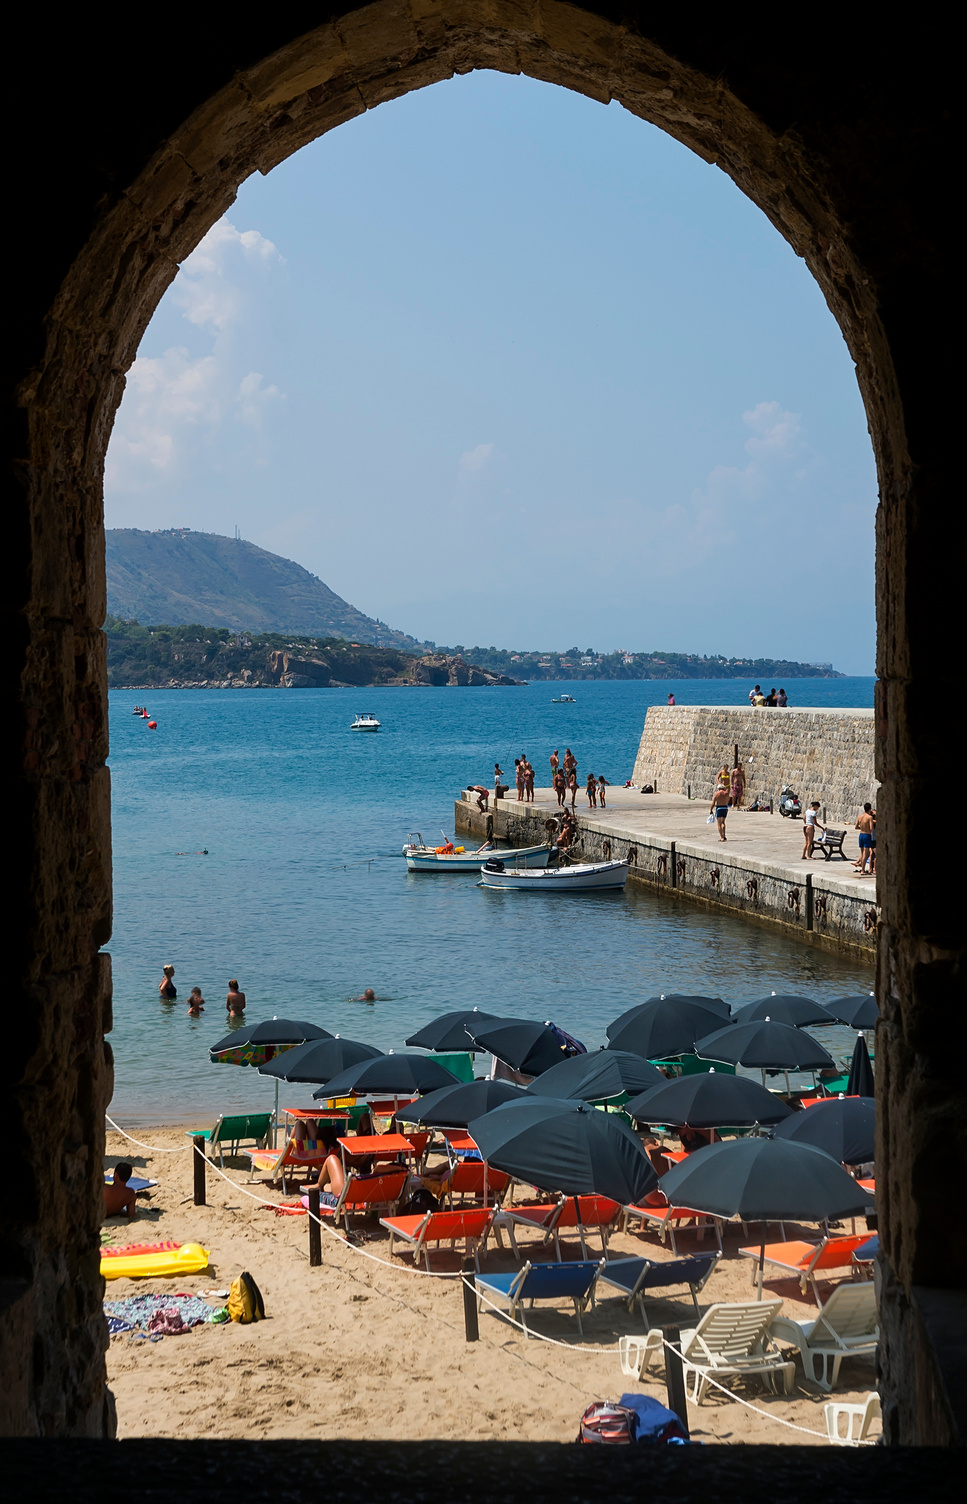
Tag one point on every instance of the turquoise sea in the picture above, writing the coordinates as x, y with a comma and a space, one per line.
304, 897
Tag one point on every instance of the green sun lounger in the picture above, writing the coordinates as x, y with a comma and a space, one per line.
248, 1130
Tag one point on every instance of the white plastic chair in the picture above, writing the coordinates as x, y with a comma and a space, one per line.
847, 1328
858, 1420
638, 1353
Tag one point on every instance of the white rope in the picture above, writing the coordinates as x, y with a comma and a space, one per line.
572, 1347
155, 1148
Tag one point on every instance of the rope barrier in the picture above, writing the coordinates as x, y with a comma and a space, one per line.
155, 1148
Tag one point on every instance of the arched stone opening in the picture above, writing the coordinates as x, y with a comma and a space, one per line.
813, 139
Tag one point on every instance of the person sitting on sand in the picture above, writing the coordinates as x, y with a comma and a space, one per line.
118, 1196
195, 1002
235, 1002
166, 986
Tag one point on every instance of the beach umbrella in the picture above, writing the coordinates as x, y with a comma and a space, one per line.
451, 1031
767, 1045
524, 1045
843, 1127
257, 1044
593, 1077
783, 1009
860, 1082
565, 1146
713, 1004
764, 1180
454, 1106
319, 1060
858, 1012
709, 1101
401, 1075
666, 1027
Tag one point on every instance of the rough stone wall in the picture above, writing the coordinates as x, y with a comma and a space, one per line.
824, 755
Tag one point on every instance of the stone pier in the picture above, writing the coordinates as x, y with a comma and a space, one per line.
756, 872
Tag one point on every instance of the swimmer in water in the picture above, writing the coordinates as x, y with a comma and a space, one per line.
368, 996
195, 1002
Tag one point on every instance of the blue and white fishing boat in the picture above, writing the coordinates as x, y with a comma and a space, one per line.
449, 858
502, 872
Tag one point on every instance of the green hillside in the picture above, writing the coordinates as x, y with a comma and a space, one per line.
181, 577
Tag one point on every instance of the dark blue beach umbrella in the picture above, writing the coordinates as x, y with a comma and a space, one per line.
861, 1071
454, 1106
843, 1127
801, 1012
396, 1075
858, 1012
713, 1004
319, 1060
451, 1031
666, 1027
766, 1045
565, 1146
524, 1045
594, 1077
713, 1100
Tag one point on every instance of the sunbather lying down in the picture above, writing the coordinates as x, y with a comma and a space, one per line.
332, 1177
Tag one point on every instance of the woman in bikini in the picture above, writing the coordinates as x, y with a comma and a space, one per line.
528, 782
602, 785
560, 787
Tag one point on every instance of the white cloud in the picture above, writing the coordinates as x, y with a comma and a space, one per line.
207, 289
474, 460
253, 398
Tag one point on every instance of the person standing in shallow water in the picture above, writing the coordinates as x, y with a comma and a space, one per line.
235, 1002
166, 987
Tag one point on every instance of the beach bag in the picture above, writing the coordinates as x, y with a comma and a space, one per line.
656, 1425
245, 1301
604, 1422
421, 1202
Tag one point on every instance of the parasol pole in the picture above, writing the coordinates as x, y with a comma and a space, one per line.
762, 1258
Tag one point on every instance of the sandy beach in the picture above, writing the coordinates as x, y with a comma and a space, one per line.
363, 1348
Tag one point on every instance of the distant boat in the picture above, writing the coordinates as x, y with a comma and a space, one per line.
423, 858
498, 873
564, 700
365, 723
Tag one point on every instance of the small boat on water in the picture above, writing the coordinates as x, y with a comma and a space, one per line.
365, 723
449, 858
499, 872
564, 700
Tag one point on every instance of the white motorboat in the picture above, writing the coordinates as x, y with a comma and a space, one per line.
450, 858
365, 723
498, 872
564, 700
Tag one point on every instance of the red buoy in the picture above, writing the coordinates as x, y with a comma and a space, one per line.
152, 725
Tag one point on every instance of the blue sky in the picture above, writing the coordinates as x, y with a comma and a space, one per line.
503, 365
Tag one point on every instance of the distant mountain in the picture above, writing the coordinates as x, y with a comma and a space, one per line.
180, 577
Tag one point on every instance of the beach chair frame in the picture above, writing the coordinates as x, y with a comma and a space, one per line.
734, 1340
473, 1224
536, 1282
846, 1327
235, 1128
858, 1419
693, 1271
807, 1261
663, 1220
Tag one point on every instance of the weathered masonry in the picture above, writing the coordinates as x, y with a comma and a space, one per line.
824, 754
820, 906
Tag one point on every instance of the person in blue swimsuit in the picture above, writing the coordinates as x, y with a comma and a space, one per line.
866, 825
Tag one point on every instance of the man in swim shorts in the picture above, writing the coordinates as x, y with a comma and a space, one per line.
866, 825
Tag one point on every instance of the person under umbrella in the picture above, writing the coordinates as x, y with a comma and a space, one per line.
595, 1077
713, 1100
765, 1180
713, 1004
666, 1027
843, 1127
801, 1012
259, 1043
766, 1046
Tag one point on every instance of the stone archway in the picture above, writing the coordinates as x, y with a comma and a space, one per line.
813, 139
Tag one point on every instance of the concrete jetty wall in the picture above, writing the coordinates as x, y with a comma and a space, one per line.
824, 754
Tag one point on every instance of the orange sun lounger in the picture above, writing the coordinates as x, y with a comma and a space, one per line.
809, 1260
471, 1224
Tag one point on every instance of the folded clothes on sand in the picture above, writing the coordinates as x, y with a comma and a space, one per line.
158, 1315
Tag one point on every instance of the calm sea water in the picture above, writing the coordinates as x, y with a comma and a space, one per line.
304, 896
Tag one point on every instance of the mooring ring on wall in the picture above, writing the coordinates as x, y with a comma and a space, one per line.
870, 920
792, 900
680, 868
661, 862
715, 877
632, 857
819, 904
752, 889
606, 850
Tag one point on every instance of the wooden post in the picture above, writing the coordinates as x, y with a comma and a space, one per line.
470, 1324
674, 864
315, 1231
809, 900
198, 1153
735, 754
675, 1374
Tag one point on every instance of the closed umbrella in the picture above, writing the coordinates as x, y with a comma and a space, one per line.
843, 1127
257, 1044
710, 1101
594, 1077
401, 1075
764, 1180
766, 1045
451, 1031
860, 1082
524, 1045
666, 1027
858, 1012
319, 1060
566, 1146
801, 1012
454, 1106
713, 1004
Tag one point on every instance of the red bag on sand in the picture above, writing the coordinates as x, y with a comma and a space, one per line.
609, 1423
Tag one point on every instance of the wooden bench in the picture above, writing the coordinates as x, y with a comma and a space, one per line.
832, 845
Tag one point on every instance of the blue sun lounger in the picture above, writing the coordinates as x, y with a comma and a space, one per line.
572, 1282
637, 1278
